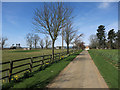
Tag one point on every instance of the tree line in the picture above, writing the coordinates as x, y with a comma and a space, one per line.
34, 39
105, 41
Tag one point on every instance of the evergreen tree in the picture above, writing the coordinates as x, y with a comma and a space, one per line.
118, 35
101, 36
117, 41
111, 38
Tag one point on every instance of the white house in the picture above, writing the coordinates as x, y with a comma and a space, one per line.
87, 48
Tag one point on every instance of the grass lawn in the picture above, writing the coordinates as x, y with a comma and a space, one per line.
8, 55
42, 78
110, 54
106, 68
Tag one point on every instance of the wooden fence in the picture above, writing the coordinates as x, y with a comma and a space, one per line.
42, 61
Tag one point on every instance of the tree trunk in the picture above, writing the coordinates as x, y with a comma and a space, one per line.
67, 48
30, 47
111, 46
35, 46
46, 47
62, 38
53, 49
2, 46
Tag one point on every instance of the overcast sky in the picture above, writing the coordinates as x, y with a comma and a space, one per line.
17, 19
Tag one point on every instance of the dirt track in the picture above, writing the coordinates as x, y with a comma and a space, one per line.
80, 73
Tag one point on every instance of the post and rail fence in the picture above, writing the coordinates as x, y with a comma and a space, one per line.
42, 61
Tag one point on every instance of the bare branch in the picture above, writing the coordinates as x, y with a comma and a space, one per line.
50, 19
3, 40
29, 40
47, 42
41, 43
35, 40
77, 41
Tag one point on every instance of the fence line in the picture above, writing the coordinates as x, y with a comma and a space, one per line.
31, 62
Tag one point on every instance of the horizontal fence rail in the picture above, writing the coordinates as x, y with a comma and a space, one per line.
45, 59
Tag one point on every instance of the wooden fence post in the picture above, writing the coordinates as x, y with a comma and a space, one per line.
43, 66
6, 78
10, 72
43, 60
50, 58
72, 51
54, 58
31, 61
59, 56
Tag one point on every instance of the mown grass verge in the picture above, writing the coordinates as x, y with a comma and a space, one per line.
107, 70
41, 78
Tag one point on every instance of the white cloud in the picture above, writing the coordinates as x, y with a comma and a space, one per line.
104, 5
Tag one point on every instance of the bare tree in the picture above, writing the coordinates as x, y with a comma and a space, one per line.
35, 39
81, 45
47, 42
3, 40
93, 41
29, 40
50, 19
77, 41
41, 43
69, 34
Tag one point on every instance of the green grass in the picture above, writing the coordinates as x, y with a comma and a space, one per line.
42, 78
25, 51
8, 55
107, 69
110, 55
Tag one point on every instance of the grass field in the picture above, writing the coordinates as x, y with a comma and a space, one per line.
107, 63
42, 78
8, 55
110, 55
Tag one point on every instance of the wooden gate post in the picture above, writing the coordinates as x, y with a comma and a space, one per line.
10, 72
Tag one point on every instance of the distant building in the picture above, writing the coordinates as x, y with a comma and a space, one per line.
18, 46
74, 47
26, 48
15, 47
60, 47
87, 48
